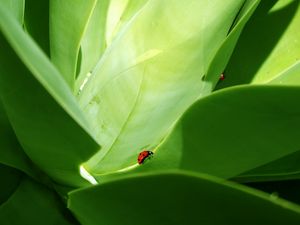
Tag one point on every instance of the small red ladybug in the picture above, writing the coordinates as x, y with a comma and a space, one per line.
144, 155
222, 76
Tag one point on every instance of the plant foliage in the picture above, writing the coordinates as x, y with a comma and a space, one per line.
85, 86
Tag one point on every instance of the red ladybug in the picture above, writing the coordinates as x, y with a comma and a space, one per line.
222, 77
144, 155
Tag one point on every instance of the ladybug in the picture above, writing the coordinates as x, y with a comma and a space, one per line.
222, 76
144, 155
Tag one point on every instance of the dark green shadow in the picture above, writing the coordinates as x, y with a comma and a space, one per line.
258, 39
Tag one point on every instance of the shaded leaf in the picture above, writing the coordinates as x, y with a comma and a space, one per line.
55, 134
239, 129
178, 198
268, 46
11, 179
31, 204
222, 56
285, 168
37, 22
11, 153
288, 189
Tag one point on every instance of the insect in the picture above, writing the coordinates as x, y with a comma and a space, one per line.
222, 76
144, 155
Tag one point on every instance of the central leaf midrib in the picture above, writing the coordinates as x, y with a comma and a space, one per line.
127, 120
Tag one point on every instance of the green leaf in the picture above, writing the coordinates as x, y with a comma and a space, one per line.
222, 56
93, 42
11, 153
107, 20
68, 22
290, 76
120, 12
286, 52
238, 129
272, 58
16, 8
167, 158
154, 63
31, 204
178, 198
282, 169
285, 168
37, 22
288, 189
55, 134
268, 47
10, 181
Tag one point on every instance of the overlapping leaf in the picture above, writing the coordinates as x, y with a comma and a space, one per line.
272, 58
32, 203
11, 153
42, 110
65, 40
285, 168
241, 128
268, 48
152, 65
12, 179
38, 28
178, 198
102, 27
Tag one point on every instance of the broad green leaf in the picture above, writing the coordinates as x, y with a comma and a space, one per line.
238, 129
10, 179
37, 22
16, 8
33, 203
93, 43
115, 11
68, 22
282, 169
268, 47
288, 189
178, 198
55, 134
154, 63
107, 20
286, 52
290, 76
285, 168
11, 153
3, 118
169, 154
222, 56
168, 157
120, 12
